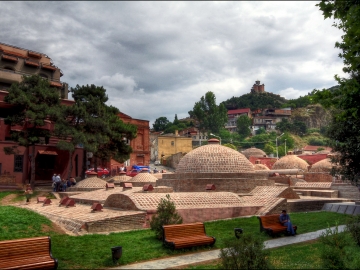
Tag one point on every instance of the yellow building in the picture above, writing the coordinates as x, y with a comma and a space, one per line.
168, 145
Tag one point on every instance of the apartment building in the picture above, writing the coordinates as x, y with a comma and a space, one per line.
15, 160
16, 62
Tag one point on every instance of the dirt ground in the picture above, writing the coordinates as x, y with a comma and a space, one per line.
7, 200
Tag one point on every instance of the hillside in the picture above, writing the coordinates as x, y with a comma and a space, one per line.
255, 101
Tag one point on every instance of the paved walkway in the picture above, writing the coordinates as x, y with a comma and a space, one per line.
182, 260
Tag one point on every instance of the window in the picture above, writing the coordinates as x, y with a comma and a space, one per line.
172, 143
194, 137
18, 163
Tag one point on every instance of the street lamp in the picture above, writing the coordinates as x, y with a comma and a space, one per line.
216, 136
277, 152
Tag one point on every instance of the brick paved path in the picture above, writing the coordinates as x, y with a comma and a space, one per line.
183, 260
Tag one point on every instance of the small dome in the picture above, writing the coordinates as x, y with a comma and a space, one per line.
89, 184
290, 162
323, 165
261, 167
214, 158
121, 178
253, 152
143, 177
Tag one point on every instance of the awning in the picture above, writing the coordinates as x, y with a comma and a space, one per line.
51, 153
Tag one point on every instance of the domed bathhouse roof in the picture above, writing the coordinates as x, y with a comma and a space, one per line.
323, 165
254, 152
260, 167
121, 178
214, 158
290, 161
89, 184
142, 178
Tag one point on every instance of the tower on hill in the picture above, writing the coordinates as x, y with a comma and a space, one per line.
258, 88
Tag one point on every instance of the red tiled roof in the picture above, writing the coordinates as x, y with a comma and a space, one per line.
237, 111
315, 148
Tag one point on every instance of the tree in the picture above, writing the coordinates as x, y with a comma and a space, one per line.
35, 103
160, 123
211, 117
176, 120
242, 124
344, 101
166, 214
95, 125
284, 125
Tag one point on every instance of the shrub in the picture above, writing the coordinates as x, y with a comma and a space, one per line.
353, 227
246, 253
338, 251
166, 214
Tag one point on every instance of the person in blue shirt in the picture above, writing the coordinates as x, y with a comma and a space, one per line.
285, 221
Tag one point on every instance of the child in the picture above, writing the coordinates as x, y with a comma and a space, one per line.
28, 192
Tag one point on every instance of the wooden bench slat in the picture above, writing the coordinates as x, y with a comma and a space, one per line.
27, 253
271, 224
186, 235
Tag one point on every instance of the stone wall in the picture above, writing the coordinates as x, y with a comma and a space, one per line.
307, 206
221, 184
128, 222
174, 160
318, 177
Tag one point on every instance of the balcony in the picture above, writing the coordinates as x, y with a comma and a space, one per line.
10, 58
34, 54
9, 76
32, 63
56, 84
49, 67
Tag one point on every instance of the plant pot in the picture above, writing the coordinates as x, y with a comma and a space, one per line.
116, 253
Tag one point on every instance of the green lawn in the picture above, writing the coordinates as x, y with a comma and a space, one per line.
93, 251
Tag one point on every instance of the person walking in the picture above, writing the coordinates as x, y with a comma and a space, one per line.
54, 182
28, 192
58, 182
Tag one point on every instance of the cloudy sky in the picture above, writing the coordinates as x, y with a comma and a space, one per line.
158, 58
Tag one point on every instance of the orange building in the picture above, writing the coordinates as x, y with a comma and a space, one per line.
15, 160
141, 144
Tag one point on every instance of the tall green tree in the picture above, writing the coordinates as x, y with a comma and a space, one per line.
35, 102
211, 117
94, 125
160, 123
243, 124
344, 101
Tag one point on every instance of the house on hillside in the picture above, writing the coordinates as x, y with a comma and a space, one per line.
233, 115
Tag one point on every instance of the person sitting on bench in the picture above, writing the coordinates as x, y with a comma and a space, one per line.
285, 221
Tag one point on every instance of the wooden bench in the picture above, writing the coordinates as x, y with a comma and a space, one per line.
271, 224
186, 235
27, 253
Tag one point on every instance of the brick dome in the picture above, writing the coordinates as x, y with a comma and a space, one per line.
121, 178
143, 177
214, 158
261, 167
253, 152
89, 184
323, 165
290, 162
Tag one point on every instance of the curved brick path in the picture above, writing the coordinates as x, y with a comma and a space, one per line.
199, 257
